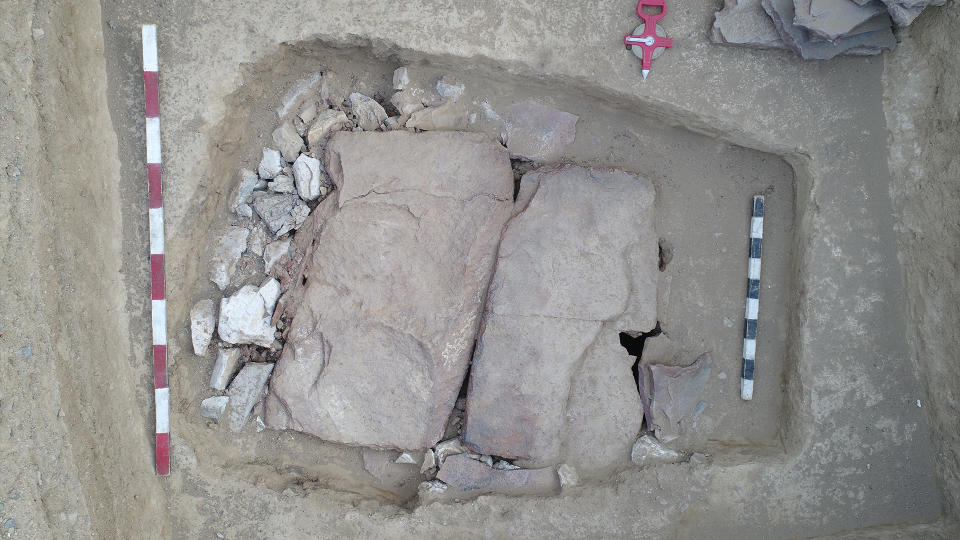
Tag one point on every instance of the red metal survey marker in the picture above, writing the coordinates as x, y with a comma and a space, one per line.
159, 300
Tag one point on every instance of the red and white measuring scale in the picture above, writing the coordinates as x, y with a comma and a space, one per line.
646, 36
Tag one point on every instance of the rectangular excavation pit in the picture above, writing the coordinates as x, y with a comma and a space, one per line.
704, 187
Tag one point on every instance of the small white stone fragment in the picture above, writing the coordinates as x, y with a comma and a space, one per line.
288, 141
257, 241
369, 113
649, 451
260, 425
432, 486
429, 461
326, 122
282, 184
449, 91
568, 475
213, 407
248, 183
400, 78
226, 254
274, 252
245, 391
270, 292
504, 465
308, 173
405, 459
228, 361
488, 460
244, 319
270, 165
448, 447
203, 320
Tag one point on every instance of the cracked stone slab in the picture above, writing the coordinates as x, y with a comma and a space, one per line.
575, 267
798, 38
382, 337
203, 320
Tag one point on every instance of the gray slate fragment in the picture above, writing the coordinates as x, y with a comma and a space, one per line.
904, 12
245, 391
203, 320
745, 23
226, 253
467, 478
537, 132
369, 114
213, 407
676, 392
274, 252
283, 184
281, 213
798, 38
831, 19
228, 361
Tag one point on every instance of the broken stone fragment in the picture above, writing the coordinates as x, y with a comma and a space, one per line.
257, 240
245, 391
369, 114
648, 451
676, 392
274, 252
904, 12
406, 459
297, 94
503, 465
248, 183
244, 319
400, 78
288, 141
568, 475
281, 213
377, 357
448, 448
537, 132
326, 122
798, 38
213, 407
283, 184
407, 101
270, 165
270, 292
470, 478
228, 361
429, 461
745, 23
447, 117
830, 19
449, 91
309, 175
203, 320
226, 254
575, 267
308, 112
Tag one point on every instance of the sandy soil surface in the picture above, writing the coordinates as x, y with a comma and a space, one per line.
839, 444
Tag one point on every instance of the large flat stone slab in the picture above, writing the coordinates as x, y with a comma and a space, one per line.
575, 268
382, 338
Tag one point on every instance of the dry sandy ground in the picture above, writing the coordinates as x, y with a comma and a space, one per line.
863, 338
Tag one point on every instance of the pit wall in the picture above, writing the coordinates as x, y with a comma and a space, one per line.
922, 108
